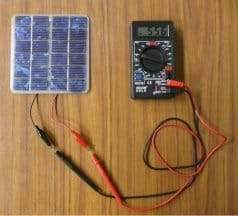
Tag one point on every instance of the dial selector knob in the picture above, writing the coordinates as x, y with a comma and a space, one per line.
153, 59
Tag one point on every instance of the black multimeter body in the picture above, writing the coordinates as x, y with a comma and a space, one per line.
152, 49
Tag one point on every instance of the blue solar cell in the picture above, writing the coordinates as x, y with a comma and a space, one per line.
77, 71
40, 33
76, 85
21, 84
78, 34
54, 57
59, 71
23, 21
77, 59
78, 22
39, 71
77, 47
22, 46
22, 58
59, 59
40, 46
22, 33
22, 71
41, 21
58, 84
60, 34
39, 84
60, 46
61, 21
40, 59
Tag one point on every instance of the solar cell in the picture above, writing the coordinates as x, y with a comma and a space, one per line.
50, 53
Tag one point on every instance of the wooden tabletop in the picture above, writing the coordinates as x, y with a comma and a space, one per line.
33, 181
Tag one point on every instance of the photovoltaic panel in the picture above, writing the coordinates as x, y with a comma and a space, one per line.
50, 54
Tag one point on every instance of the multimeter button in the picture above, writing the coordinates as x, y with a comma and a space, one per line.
139, 76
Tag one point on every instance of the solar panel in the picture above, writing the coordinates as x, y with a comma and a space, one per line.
50, 54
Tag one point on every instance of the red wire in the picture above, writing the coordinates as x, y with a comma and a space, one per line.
188, 176
162, 160
53, 114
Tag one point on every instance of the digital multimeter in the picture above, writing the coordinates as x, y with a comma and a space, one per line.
152, 58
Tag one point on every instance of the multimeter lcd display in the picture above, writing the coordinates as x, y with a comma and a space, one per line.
153, 31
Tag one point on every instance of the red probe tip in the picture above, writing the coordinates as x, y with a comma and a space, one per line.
79, 138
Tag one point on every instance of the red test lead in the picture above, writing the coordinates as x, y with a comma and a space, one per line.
175, 83
188, 176
79, 138
105, 177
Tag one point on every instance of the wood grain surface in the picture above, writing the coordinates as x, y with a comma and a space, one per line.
33, 181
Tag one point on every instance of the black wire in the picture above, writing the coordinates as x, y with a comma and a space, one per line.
148, 145
31, 107
196, 124
138, 196
145, 157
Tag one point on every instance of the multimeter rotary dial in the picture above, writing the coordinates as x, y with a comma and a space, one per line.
153, 59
